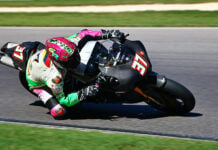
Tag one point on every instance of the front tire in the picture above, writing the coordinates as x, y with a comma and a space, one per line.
173, 98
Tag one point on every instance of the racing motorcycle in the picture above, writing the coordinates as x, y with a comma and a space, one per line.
124, 73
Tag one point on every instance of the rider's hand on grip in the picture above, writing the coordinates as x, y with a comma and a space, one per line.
91, 90
106, 34
101, 80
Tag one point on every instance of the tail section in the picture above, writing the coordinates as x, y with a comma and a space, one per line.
17, 55
4, 57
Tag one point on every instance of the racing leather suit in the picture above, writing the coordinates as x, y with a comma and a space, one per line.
45, 79
41, 72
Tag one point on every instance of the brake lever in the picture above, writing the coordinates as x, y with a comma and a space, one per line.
123, 38
126, 35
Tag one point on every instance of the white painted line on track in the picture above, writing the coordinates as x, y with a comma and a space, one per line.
126, 28
116, 8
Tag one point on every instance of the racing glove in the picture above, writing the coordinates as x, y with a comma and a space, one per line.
91, 90
107, 34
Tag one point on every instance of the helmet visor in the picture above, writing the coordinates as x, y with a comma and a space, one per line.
73, 62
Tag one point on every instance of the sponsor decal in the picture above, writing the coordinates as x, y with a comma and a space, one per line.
18, 53
52, 50
55, 56
56, 80
142, 53
47, 60
62, 45
78, 36
139, 64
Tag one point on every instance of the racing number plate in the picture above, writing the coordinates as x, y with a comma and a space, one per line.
18, 53
139, 64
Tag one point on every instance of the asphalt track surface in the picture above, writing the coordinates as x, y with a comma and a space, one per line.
187, 55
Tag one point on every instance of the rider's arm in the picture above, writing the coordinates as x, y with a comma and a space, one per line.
95, 35
84, 36
56, 85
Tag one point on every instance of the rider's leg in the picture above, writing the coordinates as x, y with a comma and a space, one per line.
50, 102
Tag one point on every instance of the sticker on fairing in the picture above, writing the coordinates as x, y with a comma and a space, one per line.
140, 64
18, 53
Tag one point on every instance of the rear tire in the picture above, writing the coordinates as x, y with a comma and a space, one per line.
173, 98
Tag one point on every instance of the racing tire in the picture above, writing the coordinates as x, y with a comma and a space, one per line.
173, 98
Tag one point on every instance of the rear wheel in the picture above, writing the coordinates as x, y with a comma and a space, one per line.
173, 98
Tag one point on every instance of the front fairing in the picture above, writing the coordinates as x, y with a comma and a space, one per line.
118, 66
117, 63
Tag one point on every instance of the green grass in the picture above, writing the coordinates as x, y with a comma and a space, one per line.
20, 137
91, 2
134, 19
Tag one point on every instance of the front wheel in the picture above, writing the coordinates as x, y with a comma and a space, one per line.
173, 98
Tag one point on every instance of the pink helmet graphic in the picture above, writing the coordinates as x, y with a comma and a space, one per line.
62, 52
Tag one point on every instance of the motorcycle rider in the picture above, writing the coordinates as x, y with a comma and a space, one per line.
46, 67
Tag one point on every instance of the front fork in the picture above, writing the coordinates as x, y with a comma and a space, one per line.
153, 80
156, 80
